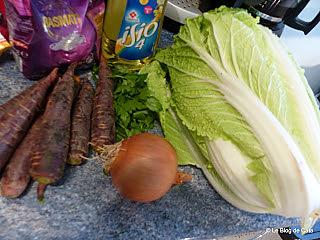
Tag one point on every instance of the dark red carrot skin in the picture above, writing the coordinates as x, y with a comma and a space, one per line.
17, 119
16, 178
77, 87
50, 154
24, 95
80, 126
103, 115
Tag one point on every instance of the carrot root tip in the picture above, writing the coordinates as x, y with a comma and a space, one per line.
40, 192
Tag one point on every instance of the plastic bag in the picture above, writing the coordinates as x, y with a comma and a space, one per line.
3, 23
96, 15
4, 45
48, 34
4, 35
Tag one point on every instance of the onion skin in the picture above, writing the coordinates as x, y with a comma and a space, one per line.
145, 167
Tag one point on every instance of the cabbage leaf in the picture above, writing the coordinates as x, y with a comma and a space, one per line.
238, 106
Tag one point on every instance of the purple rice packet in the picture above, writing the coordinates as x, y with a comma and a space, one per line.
49, 33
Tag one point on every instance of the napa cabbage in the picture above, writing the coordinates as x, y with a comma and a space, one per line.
237, 105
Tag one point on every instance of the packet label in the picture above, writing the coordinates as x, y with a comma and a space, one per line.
139, 29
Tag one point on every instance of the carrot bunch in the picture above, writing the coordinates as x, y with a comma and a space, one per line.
49, 125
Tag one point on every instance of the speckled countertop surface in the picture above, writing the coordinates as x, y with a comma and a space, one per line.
84, 204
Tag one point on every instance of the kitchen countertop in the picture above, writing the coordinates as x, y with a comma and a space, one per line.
84, 204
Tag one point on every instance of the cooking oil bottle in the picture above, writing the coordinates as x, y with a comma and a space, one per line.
131, 30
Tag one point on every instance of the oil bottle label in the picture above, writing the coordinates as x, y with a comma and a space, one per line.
139, 29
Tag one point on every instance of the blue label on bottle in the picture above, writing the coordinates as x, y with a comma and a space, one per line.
139, 29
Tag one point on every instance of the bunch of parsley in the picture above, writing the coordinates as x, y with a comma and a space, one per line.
136, 110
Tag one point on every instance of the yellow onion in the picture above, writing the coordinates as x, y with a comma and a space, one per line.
144, 167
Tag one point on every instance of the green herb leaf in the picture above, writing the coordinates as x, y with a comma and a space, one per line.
134, 105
